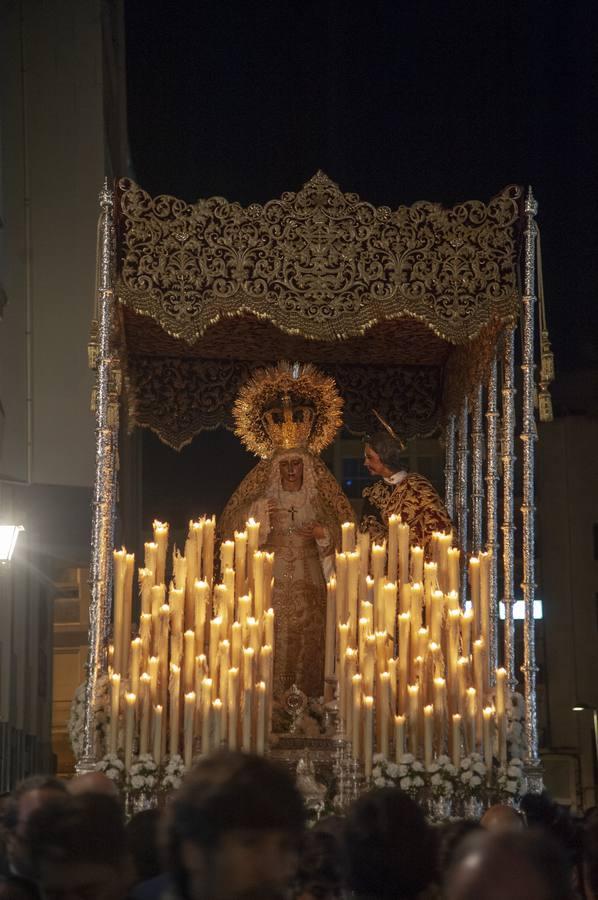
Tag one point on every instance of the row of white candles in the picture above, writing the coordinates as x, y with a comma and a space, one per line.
410, 663
200, 670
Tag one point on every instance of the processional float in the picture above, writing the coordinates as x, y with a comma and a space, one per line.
414, 311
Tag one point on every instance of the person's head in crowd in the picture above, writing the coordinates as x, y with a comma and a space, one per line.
509, 866
78, 848
590, 856
319, 875
28, 796
450, 837
541, 812
143, 840
500, 818
390, 848
234, 828
93, 783
15, 888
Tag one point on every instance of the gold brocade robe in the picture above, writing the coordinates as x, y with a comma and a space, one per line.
414, 499
299, 596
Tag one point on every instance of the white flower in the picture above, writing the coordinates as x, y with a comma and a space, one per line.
480, 768
113, 774
433, 767
407, 758
380, 782
378, 757
513, 772
403, 770
417, 766
443, 760
436, 779
118, 763
137, 781
450, 769
418, 781
376, 772
393, 770
512, 787
405, 783
466, 776
475, 781
465, 763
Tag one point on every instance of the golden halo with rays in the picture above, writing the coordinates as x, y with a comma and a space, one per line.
305, 385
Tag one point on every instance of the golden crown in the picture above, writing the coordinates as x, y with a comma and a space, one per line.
286, 407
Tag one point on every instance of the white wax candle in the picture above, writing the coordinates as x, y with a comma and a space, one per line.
260, 728
130, 704
487, 723
341, 586
399, 737
233, 708
384, 713
150, 557
474, 592
236, 644
189, 661
428, 734
114, 710
436, 616
127, 609
501, 717
153, 668
135, 664
240, 563
348, 537
356, 683
404, 657
466, 627
157, 733
413, 707
146, 581
258, 584
471, 708
158, 599
246, 733
417, 564
118, 580
456, 740
161, 539
453, 558
201, 593
390, 608
269, 629
209, 527
217, 724
330, 643
368, 734
403, 530
188, 727
174, 690
252, 529
352, 591
393, 548
206, 715
146, 707
227, 555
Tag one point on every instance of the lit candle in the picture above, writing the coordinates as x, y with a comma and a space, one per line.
158, 599
240, 562
352, 591
471, 708
153, 665
384, 713
430, 584
236, 644
454, 621
206, 715
260, 728
209, 527
233, 708
440, 711
456, 740
478, 672
146, 706
114, 710
403, 530
201, 593
224, 665
253, 537
341, 586
348, 537
247, 719
393, 547
135, 664
188, 724
413, 707
269, 628
253, 634
248, 654
393, 668
378, 561
150, 557
390, 609
217, 724
221, 605
485, 564
364, 631
215, 625
268, 580
404, 628
417, 593
244, 612
501, 718
157, 734
437, 613
196, 534
145, 635
435, 659
130, 701
179, 570
368, 664
453, 557
174, 690
369, 590
356, 683
428, 734
118, 579
487, 723
417, 564
466, 625
258, 584
364, 562
343, 636
474, 591
368, 728
451, 600
399, 737
201, 671
227, 555
463, 681
161, 539
423, 639
330, 629
190, 579
146, 581
350, 670
189, 661
444, 545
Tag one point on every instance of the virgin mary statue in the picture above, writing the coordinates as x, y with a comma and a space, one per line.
287, 415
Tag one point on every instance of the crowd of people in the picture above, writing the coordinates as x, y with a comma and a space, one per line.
237, 830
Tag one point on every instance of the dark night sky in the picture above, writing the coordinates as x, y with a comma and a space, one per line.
398, 101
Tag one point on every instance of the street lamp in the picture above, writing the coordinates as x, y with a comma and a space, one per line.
9, 535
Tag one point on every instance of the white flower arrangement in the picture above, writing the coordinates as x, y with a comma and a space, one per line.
511, 781
172, 774
144, 775
408, 774
113, 767
77, 715
442, 777
472, 776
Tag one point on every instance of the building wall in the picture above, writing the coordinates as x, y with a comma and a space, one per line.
567, 491
59, 64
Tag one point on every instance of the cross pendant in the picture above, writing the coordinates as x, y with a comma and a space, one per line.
293, 510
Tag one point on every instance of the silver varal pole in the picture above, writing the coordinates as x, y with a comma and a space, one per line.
461, 496
449, 466
477, 471
103, 494
492, 477
508, 488
528, 437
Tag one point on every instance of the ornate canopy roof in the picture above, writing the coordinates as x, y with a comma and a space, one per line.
415, 296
